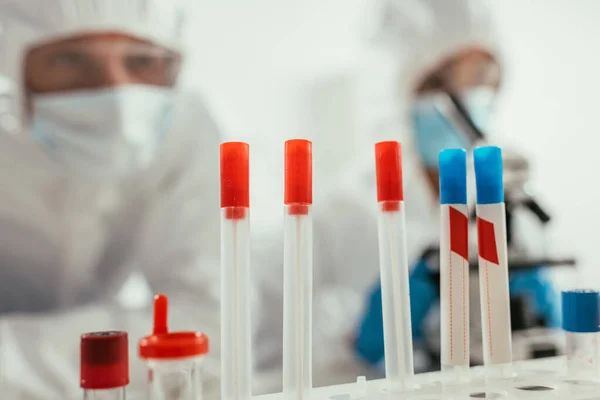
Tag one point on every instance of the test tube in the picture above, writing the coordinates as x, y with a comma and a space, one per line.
393, 264
104, 367
454, 265
236, 357
580, 322
174, 359
493, 262
297, 266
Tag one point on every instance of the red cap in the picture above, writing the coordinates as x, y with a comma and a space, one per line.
298, 173
235, 178
104, 360
388, 164
163, 344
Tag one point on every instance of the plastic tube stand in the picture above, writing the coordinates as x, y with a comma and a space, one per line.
535, 379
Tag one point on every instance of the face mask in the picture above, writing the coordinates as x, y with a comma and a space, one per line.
108, 133
435, 132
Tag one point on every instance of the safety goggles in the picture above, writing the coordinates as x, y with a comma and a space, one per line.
98, 61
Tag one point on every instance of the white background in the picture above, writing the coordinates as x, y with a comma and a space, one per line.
263, 64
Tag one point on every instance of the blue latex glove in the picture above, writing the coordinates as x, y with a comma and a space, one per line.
369, 344
542, 297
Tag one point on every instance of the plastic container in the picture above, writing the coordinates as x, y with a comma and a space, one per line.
104, 368
580, 323
174, 359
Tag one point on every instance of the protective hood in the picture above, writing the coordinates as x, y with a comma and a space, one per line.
408, 39
27, 23
423, 33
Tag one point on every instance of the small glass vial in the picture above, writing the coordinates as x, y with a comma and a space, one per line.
174, 359
104, 368
580, 322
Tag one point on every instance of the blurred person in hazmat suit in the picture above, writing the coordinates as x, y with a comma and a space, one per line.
423, 50
107, 168
442, 48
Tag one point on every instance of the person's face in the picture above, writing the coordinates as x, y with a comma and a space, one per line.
469, 69
98, 61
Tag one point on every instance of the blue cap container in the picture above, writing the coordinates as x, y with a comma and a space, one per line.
580, 309
453, 176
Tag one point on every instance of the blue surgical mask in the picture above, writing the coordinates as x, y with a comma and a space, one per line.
434, 132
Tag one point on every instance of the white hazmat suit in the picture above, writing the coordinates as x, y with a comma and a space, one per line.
67, 245
409, 39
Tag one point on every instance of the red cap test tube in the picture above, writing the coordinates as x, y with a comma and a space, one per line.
393, 264
298, 270
236, 362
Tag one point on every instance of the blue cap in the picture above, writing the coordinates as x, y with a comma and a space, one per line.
453, 176
488, 175
580, 310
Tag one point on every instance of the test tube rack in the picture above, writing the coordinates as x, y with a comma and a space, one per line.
534, 379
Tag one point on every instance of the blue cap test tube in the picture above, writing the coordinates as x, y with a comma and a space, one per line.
454, 266
581, 319
493, 263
